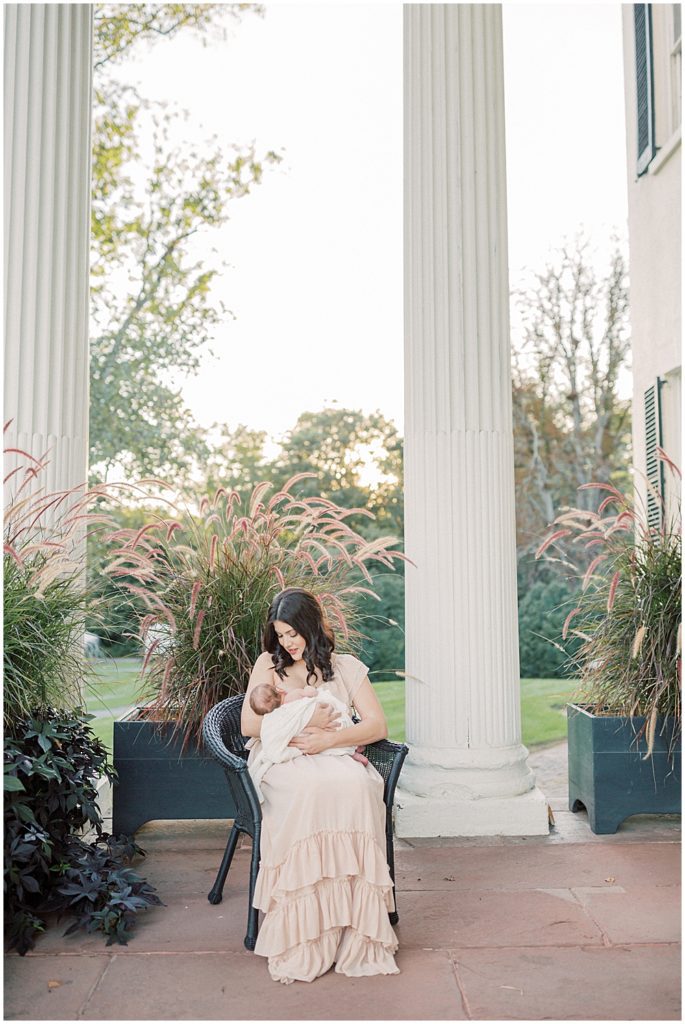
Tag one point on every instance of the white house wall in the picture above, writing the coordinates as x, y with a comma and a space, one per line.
654, 221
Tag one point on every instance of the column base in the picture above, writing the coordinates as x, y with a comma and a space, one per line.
428, 816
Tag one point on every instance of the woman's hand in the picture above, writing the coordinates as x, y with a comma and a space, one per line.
312, 740
324, 717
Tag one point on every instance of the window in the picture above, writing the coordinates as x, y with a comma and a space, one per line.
676, 70
644, 72
654, 437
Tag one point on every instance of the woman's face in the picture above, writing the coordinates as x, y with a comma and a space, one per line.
290, 639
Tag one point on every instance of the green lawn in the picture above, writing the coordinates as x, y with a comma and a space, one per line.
114, 686
542, 702
543, 710
543, 714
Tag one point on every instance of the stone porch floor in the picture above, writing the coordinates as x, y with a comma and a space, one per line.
569, 926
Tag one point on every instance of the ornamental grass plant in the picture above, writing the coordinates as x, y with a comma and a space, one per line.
206, 578
45, 597
627, 612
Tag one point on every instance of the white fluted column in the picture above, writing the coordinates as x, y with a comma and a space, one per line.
466, 773
47, 97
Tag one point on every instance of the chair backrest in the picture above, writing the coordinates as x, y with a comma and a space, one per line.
228, 720
223, 739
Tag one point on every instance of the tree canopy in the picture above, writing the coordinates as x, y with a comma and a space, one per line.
153, 312
570, 425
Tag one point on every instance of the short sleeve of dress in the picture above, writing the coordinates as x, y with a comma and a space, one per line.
352, 672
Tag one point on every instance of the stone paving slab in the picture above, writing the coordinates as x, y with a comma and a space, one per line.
443, 920
193, 872
584, 983
186, 924
454, 868
646, 913
29, 996
234, 986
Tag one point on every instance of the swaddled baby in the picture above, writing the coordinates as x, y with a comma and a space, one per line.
283, 720
265, 698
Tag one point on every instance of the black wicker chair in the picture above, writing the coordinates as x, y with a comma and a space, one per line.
222, 736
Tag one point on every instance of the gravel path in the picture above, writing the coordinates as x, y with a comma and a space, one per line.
550, 765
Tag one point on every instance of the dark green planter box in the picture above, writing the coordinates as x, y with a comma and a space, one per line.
158, 782
607, 773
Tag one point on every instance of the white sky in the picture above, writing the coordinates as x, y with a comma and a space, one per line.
316, 251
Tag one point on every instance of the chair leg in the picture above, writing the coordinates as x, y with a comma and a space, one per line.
216, 894
390, 853
252, 912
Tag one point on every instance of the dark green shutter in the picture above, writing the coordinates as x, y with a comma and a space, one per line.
653, 437
644, 74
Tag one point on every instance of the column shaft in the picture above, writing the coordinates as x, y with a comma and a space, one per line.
48, 62
462, 685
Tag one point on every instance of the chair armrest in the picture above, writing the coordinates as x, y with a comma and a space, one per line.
387, 757
216, 747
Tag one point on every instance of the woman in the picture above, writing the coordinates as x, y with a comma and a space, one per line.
323, 882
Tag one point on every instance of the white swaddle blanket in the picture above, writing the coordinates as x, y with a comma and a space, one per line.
279, 727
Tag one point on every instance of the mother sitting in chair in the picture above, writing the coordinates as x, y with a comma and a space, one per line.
323, 881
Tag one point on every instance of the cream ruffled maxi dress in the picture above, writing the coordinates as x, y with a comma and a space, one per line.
323, 881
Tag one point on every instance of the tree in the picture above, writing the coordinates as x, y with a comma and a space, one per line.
118, 27
542, 610
237, 462
383, 625
336, 445
570, 426
152, 309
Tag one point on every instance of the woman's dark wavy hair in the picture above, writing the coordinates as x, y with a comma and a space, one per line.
302, 611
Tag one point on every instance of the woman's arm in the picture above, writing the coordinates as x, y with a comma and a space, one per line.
372, 727
324, 716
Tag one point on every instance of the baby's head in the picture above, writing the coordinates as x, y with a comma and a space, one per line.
265, 698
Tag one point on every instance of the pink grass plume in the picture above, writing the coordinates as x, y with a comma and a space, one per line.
550, 540
602, 487
9, 550
212, 551
567, 621
279, 576
612, 590
193, 598
142, 531
590, 569
173, 525
198, 628
148, 654
661, 454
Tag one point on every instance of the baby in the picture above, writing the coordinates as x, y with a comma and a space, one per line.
265, 698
